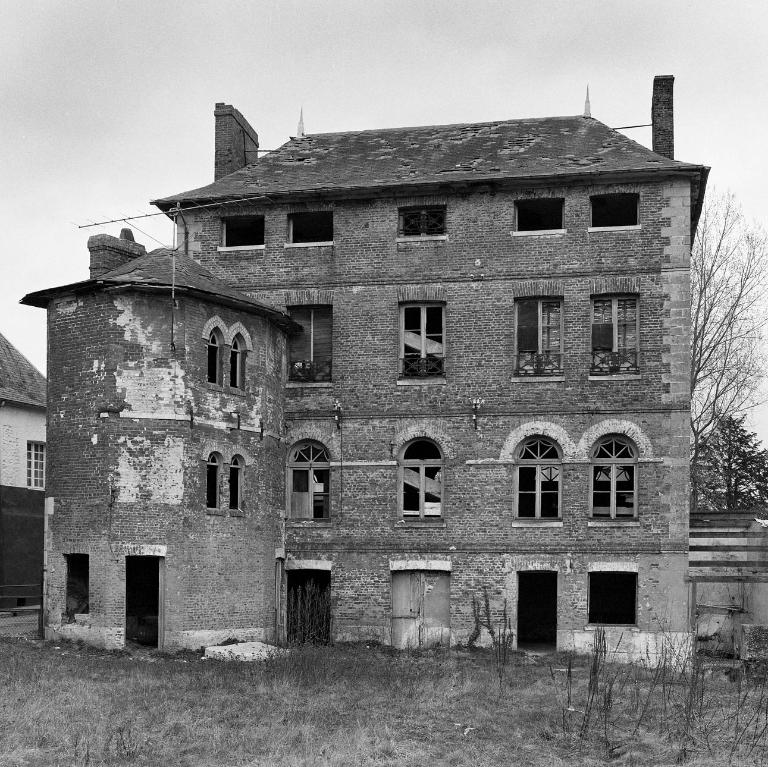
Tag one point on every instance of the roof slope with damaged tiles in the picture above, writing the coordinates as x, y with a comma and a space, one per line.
156, 270
20, 381
476, 152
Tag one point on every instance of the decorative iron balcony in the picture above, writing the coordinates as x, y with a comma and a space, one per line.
310, 370
610, 363
535, 364
422, 367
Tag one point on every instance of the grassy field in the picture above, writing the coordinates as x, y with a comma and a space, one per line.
356, 705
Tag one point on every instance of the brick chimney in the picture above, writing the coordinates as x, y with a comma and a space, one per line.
108, 252
236, 143
662, 117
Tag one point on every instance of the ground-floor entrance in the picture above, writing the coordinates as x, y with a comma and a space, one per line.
308, 606
421, 611
143, 600
537, 608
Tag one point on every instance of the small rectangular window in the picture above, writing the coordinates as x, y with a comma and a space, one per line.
310, 351
36, 465
421, 222
76, 598
614, 209
540, 214
422, 340
539, 337
243, 231
613, 598
311, 227
615, 335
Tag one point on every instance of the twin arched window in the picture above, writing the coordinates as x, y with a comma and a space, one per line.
215, 362
215, 344
421, 480
213, 474
309, 470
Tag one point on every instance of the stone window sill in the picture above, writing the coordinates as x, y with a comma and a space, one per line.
228, 248
613, 523
304, 523
537, 379
425, 238
631, 228
309, 385
591, 626
421, 523
225, 512
428, 381
536, 523
539, 233
617, 377
326, 244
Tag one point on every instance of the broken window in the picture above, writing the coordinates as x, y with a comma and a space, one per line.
542, 214
421, 480
614, 209
421, 222
36, 465
213, 469
310, 350
243, 231
538, 479
215, 344
235, 481
539, 337
309, 470
237, 354
311, 227
614, 478
77, 598
615, 335
613, 598
422, 332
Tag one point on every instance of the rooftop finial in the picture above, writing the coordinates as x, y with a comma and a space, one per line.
587, 109
300, 128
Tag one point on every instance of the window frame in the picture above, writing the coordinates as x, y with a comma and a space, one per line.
614, 365
236, 466
539, 362
294, 465
290, 242
36, 464
298, 370
423, 211
422, 465
217, 335
216, 461
225, 246
609, 227
528, 200
238, 354
422, 370
614, 464
540, 464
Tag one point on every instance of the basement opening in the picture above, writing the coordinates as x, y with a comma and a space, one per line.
77, 597
614, 209
539, 215
243, 231
613, 598
310, 227
308, 607
537, 608
142, 599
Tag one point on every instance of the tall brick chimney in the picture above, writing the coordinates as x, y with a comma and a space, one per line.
108, 252
236, 143
662, 117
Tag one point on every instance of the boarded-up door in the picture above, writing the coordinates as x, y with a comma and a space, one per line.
421, 611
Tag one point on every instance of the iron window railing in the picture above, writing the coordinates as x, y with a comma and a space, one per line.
422, 367
539, 364
606, 363
310, 370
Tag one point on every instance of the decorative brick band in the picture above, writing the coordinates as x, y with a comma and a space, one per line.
406, 293
308, 297
537, 288
600, 285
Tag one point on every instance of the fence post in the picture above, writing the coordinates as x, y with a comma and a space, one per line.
40, 619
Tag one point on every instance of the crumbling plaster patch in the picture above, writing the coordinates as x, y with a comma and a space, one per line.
151, 470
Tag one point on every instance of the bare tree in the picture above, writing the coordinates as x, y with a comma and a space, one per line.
729, 285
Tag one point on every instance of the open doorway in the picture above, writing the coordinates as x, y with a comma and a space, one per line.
142, 600
537, 608
308, 606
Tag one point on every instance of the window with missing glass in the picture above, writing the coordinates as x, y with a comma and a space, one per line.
311, 227
309, 471
615, 335
422, 340
310, 349
421, 222
539, 336
538, 479
614, 479
421, 485
243, 231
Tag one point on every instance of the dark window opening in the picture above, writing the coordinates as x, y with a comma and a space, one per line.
235, 481
212, 482
537, 608
421, 222
237, 363
309, 486
422, 346
613, 598
77, 597
614, 209
541, 214
310, 350
539, 337
214, 358
142, 599
308, 606
311, 227
421, 465
243, 231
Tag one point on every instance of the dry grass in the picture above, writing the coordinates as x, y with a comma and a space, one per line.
358, 705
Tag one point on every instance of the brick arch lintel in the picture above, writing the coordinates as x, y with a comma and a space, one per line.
539, 428
215, 322
427, 431
313, 433
615, 426
238, 327
225, 450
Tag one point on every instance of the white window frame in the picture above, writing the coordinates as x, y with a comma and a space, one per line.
614, 464
540, 464
36, 455
423, 514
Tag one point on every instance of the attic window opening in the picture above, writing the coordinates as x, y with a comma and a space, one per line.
310, 227
614, 209
243, 231
539, 215
421, 222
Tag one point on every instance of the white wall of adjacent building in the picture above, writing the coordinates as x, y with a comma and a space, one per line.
18, 426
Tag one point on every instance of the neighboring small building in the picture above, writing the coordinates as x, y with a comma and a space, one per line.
22, 477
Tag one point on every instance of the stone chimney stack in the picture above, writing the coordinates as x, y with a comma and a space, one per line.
662, 117
108, 252
236, 143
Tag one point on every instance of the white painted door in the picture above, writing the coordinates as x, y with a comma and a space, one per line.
421, 609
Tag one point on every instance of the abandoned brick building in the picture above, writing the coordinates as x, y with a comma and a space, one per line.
383, 372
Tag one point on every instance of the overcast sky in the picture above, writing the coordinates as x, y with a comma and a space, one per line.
105, 105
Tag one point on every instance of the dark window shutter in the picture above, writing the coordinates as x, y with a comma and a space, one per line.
323, 328
602, 337
298, 343
527, 326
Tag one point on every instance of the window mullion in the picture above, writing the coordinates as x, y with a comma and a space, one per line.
538, 493
311, 335
615, 318
613, 490
540, 329
422, 490
423, 329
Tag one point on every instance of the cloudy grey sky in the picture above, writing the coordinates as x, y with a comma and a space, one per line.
105, 105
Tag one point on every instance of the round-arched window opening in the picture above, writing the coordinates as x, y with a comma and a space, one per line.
421, 481
309, 471
538, 479
614, 478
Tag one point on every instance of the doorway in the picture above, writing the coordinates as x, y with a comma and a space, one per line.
537, 608
421, 608
142, 600
308, 606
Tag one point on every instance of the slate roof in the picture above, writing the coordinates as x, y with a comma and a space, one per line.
20, 381
509, 149
155, 270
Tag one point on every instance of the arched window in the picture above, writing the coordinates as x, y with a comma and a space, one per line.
212, 474
421, 480
614, 478
538, 479
235, 482
237, 354
215, 342
309, 470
